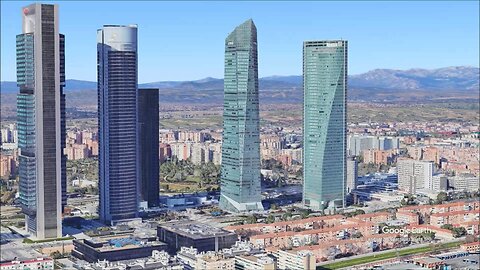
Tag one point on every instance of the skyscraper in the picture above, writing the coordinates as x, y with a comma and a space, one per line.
148, 121
324, 123
41, 120
240, 176
117, 121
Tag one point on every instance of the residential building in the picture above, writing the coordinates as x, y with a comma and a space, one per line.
295, 260
465, 182
39, 263
324, 123
41, 120
240, 177
148, 123
439, 183
117, 122
414, 174
357, 144
165, 152
254, 262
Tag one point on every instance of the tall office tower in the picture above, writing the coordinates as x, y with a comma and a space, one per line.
148, 121
324, 123
352, 174
117, 122
41, 120
414, 174
240, 177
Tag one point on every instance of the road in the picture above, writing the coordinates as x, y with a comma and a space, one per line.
387, 251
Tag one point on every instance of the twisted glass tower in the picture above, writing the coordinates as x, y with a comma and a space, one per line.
324, 123
240, 176
41, 120
117, 122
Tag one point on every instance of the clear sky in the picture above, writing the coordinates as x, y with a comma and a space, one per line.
185, 40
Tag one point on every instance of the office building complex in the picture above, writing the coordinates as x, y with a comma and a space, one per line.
414, 174
117, 121
324, 123
41, 120
240, 179
148, 121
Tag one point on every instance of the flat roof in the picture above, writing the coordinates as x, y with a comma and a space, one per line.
194, 229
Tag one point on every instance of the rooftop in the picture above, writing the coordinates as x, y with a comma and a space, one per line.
194, 229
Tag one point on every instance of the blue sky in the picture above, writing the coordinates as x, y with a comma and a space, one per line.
185, 40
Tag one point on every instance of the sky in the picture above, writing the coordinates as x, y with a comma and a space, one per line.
185, 40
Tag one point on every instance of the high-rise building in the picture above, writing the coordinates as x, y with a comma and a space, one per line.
352, 174
240, 177
41, 120
324, 123
117, 122
148, 121
414, 174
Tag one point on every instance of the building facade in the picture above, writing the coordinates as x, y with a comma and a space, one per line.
352, 174
148, 122
240, 176
414, 174
117, 121
41, 120
324, 123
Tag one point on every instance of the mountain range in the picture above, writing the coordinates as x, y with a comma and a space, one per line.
375, 85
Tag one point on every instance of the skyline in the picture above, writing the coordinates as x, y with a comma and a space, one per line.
166, 29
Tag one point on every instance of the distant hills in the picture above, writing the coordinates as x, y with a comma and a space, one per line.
375, 85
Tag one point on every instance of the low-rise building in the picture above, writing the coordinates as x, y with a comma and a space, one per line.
473, 247
115, 248
254, 262
203, 237
407, 217
38, 263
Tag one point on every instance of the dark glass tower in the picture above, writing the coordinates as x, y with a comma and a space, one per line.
148, 121
117, 121
41, 120
324, 123
240, 177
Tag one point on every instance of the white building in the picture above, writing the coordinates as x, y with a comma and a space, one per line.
356, 144
295, 260
39, 263
465, 182
414, 174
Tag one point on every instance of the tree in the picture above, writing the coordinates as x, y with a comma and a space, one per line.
287, 216
270, 219
56, 255
447, 226
251, 219
459, 231
357, 235
442, 197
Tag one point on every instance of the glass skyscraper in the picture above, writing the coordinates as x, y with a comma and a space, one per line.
240, 176
41, 120
324, 123
117, 121
148, 121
